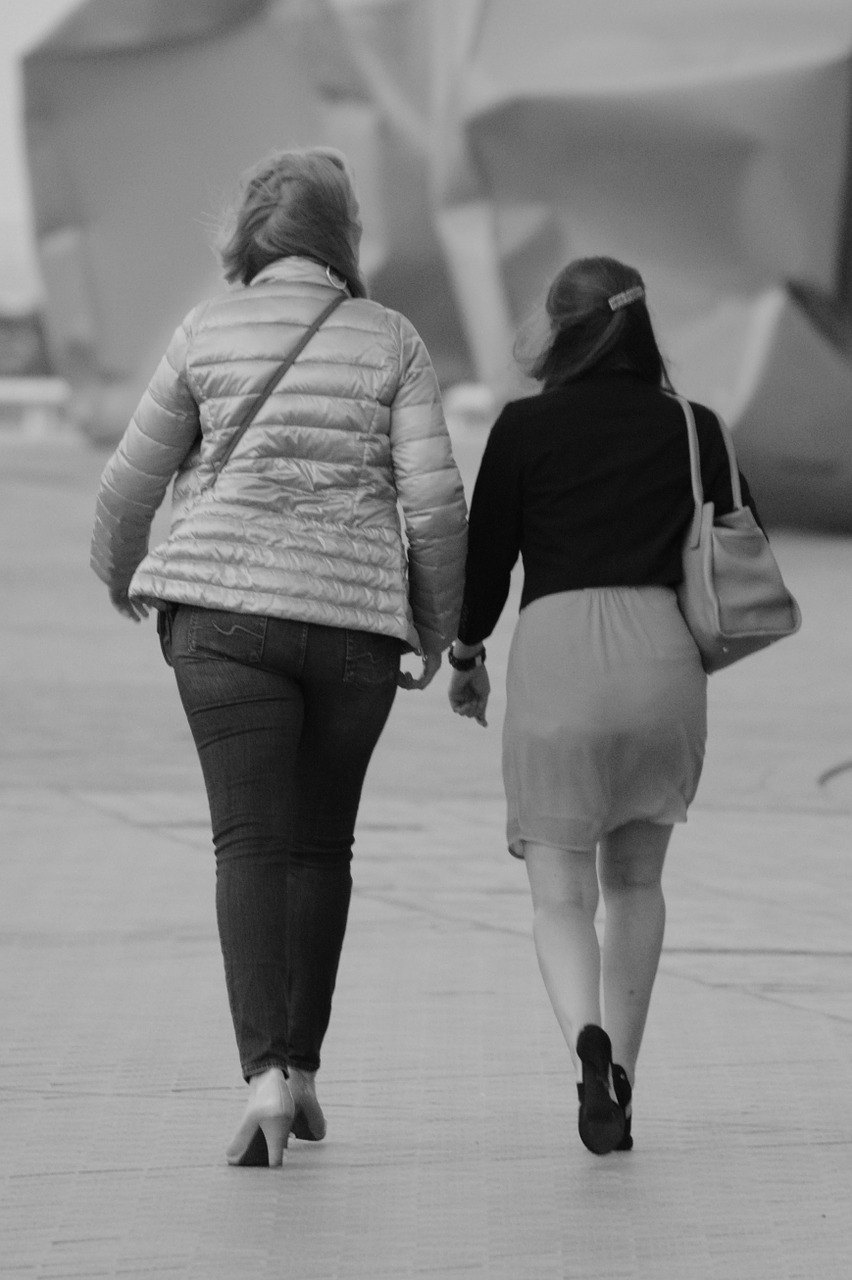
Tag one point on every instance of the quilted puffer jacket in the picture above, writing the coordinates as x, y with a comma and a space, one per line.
303, 520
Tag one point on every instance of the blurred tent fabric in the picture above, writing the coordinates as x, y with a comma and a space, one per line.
705, 141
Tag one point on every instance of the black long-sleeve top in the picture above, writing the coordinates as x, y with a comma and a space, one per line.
590, 484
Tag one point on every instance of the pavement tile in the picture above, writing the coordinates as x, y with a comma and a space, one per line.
452, 1148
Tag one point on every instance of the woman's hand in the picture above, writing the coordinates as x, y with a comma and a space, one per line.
431, 666
121, 601
469, 692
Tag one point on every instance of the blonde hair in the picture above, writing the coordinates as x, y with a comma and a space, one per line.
297, 203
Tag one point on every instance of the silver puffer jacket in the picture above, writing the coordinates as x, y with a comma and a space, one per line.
303, 520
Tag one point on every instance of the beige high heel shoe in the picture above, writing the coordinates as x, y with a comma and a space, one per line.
265, 1128
308, 1120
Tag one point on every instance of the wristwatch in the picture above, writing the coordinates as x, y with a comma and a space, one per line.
466, 664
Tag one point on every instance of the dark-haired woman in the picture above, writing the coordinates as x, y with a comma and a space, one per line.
285, 591
603, 741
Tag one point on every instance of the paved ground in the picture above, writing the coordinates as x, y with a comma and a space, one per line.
452, 1148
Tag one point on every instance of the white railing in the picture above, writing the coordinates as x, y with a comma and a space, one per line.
33, 406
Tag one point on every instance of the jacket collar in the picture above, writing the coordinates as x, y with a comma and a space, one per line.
299, 271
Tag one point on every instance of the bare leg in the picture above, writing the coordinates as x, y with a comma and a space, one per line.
631, 866
564, 888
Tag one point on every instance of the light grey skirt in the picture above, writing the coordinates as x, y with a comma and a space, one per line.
606, 716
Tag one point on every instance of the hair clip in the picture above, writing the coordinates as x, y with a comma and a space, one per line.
624, 299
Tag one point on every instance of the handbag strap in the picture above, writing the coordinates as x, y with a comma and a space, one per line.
244, 424
695, 457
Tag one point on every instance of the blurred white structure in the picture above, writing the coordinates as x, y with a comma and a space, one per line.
492, 141
33, 407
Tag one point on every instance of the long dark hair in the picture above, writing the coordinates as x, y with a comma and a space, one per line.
597, 320
296, 204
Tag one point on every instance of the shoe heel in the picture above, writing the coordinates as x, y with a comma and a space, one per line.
263, 1134
624, 1097
252, 1153
276, 1132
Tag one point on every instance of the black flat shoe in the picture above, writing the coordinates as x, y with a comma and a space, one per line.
601, 1122
624, 1097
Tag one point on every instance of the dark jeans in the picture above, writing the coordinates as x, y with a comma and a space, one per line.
285, 716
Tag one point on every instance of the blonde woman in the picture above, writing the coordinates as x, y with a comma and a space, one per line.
285, 592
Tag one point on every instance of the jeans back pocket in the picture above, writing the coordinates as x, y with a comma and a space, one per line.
220, 633
371, 658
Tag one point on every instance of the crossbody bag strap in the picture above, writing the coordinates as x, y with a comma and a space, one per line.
694, 453
272, 383
736, 487
695, 461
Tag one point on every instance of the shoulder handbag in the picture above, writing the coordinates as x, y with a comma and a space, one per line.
732, 596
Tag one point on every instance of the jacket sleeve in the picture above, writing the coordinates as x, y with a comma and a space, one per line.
431, 495
136, 477
495, 532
